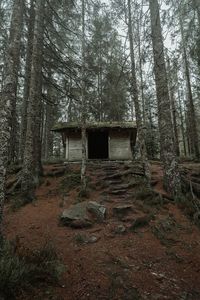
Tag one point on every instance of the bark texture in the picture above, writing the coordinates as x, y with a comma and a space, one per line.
49, 121
173, 107
83, 106
192, 125
29, 52
171, 173
8, 97
139, 121
32, 152
15, 49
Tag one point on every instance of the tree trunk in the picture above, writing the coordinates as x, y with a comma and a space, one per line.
49, 121
15, 49
140, 128
193, 133
196, 4
83, 106
29, 51
173, 108
8, 97
140, 65
172, 180
32, 152
182, 121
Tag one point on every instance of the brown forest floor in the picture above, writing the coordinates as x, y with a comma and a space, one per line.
158, 261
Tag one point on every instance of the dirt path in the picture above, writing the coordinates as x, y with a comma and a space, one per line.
157, 261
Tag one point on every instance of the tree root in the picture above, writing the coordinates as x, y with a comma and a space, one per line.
14, 185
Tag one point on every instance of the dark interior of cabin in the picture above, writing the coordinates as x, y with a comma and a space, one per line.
98, 144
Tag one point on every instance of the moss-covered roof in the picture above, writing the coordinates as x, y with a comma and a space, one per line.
92, 125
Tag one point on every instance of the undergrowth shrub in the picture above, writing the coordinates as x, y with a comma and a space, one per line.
22, 269
18, 201
190, 206
149, 196
71, 181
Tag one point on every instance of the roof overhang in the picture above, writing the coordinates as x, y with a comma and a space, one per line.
61, 127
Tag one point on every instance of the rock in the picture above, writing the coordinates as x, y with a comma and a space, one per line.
93, 239
122, 210
74, 213
120, 229
81, 223
117, 192
85, 239
83, 215
97, 210
121, 186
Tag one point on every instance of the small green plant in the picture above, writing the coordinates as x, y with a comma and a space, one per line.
140, 222
165, 230
80, 239
21, 269
18, 201
70, 181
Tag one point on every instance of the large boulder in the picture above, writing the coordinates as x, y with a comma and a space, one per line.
83, 214
97, 210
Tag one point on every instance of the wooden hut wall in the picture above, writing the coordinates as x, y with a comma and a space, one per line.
74, 151
119, 145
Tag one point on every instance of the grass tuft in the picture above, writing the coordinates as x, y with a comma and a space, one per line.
22, 269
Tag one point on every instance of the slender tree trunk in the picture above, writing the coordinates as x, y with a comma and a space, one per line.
8, 97
196, 4
49, 121
182, 122
193, 133
32, 152
140, 128
15, 41
172, 180
83, 106
173, 108
29, 51
140, 65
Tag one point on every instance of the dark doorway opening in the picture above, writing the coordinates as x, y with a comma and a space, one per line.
98, 145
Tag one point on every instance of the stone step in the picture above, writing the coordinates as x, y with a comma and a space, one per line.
117, 192
122, 186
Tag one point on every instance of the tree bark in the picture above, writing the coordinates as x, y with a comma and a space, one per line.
196, 4
172, 180
15, 49
32, 152
8, 97
139, 122
83, 106
29, 52
193, 133
173, 108
182, 121
49, 121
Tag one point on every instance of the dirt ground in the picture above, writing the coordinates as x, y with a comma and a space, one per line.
158, 260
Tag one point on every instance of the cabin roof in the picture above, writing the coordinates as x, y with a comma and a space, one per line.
93, 125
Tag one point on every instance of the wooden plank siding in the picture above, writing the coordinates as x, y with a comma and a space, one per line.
75, 146
119, 145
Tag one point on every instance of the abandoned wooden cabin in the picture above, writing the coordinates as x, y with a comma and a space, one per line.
106, 141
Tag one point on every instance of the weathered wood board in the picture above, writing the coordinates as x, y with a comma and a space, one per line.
74, 147
119, 145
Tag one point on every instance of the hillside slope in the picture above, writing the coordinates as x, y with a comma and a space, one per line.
146, 248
